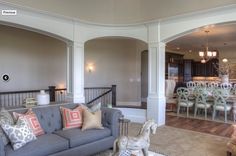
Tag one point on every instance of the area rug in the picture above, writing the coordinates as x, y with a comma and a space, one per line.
172, 141
110, 153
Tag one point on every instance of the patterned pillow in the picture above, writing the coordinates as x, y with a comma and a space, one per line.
5, 118
32, 121
72, 118
19, 134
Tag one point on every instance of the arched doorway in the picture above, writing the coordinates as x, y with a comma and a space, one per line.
115, 60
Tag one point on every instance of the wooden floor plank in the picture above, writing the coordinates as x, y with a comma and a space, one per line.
203, 126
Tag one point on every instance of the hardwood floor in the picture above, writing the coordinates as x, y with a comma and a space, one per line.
204, 126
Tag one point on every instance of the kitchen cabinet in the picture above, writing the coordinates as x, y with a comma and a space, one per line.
205, 69
188, 69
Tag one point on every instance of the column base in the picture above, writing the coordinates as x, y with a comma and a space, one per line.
156, 109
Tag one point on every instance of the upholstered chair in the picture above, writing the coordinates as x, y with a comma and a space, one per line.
183, 99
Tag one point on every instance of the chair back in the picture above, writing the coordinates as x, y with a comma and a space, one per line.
169, 88
183, 94
227, 86
219, 101
234, 89
200, 84
201, 96
190, 84
220, 92
212, 85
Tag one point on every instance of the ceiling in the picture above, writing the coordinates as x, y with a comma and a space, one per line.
119, 12
221, 38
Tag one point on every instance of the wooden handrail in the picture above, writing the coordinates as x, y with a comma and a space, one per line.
94, 92
97, 88
23, 91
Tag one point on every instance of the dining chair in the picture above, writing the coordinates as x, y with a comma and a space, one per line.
213, 85
226, 86
171, 100
201, 101
191, 85
201, 84
183, 99
234, 88
220, 103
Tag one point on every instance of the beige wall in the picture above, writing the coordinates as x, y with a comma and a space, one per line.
116, 61
33, 61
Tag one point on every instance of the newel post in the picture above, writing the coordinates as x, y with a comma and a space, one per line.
113, 91
52, 91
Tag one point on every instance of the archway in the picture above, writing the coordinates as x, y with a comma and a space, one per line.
219, 38
117, 61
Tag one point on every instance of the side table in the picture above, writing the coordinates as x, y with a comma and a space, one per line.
124, 126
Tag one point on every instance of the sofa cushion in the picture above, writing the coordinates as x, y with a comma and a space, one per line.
49, 118
77, 137
44, 145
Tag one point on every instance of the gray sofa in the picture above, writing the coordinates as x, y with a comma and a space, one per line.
72, 142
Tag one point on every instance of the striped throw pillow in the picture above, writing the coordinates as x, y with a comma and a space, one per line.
72, 118
32, 121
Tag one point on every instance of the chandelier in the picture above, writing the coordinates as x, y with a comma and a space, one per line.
206, 55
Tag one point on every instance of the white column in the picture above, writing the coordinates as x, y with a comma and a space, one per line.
156, 102
75, 72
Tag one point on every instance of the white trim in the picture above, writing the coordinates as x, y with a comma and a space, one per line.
125, 103
133, 114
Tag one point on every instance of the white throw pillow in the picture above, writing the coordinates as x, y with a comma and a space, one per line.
5, 118
19, 134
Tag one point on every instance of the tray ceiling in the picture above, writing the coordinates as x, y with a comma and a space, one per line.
120, 11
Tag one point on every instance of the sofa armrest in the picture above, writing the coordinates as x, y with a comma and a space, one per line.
110, 119
2, 148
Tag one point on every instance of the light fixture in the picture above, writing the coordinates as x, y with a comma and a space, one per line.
206, 55
224, 60
90, 68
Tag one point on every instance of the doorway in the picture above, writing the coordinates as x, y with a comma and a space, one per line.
144, 77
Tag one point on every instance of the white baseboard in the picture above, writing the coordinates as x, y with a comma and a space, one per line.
133, 114
124, 103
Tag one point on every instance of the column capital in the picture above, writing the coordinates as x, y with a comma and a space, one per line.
156, 44
78, 44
